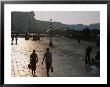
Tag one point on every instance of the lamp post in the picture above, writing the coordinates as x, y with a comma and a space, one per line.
50, 32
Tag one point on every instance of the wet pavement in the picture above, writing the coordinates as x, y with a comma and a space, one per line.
68, 58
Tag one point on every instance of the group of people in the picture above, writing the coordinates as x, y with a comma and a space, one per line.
36, 37
47, 58
88, 54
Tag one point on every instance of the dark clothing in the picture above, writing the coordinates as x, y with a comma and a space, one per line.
33, 61
12, 37
87, 59
88, 50
48, 60
87, 53
48, 66
48, 57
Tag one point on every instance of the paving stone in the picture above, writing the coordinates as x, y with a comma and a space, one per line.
68, 58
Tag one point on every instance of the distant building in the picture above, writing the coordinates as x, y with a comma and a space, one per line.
22, 21
79, 27
95, 26
25, 22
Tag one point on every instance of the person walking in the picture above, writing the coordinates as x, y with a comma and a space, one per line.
12, 36
48, 60
33, 61
16, 38
87, 54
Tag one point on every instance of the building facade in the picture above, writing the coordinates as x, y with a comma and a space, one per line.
22, 21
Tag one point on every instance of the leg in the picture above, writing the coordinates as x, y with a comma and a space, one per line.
47, 67
34, 68
16, 40
34, 72
89, 59
48, 72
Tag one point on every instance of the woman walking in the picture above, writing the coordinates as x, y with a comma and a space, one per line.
33, 61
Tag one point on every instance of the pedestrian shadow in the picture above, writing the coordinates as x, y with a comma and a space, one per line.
34, 75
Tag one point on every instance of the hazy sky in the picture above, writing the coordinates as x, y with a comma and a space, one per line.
69, 17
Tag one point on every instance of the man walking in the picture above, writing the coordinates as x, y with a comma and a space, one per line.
48, 60
87, 54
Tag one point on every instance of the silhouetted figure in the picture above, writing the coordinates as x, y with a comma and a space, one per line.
38, 37
34, 36
16, 38
50, 44
26, 36
48, 60
87, 53
12, 36
33, 61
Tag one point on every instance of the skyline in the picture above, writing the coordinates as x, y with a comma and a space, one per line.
69, 17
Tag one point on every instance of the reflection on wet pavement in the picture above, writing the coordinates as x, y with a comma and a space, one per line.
68, 58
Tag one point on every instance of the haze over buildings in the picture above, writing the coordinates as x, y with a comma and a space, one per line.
69, 17
39, 21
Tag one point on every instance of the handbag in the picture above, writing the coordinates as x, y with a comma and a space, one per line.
51, 69
29, 66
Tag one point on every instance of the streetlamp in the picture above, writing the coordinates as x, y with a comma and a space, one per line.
50, 32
